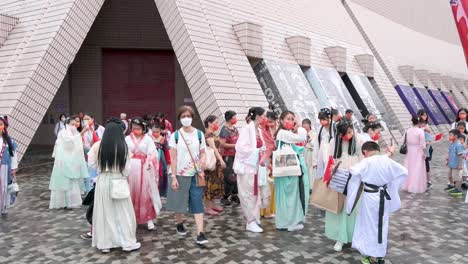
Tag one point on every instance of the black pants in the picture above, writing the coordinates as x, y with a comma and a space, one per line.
230, 178
428, 166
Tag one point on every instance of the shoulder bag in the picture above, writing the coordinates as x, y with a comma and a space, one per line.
404, 147
200, 180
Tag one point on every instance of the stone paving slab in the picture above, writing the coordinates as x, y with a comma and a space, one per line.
430, 228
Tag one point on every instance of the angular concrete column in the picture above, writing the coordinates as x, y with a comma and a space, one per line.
7, 23
337, 55
366, 62
250, 37
408, 73
300, 48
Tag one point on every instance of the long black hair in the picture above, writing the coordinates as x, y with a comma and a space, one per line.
283, 115
209, 119
325, 114
253, 113
342, 129
6, 137
162, 123
371, 125
138, 121
421, 112
113, 150
458, 113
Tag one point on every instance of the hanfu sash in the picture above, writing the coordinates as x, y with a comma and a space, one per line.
370, 188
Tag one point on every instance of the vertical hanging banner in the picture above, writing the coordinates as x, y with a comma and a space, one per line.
460, 11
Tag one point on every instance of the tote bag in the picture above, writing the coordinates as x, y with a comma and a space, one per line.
326, 198
210, 159
285, 162
120, 188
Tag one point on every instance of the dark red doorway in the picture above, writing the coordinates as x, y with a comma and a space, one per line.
138, 82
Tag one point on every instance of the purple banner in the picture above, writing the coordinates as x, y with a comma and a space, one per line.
450, 101
443, 105
431, 107
409, 98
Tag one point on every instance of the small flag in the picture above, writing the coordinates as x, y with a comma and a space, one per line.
439, 136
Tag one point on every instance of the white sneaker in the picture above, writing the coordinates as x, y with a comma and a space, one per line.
150, 225
295, 227
338, 246
105, 250
131, 248
253, 227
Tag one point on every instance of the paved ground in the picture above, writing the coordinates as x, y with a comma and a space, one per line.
430, 228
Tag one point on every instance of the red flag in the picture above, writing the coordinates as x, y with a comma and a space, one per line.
328, 170
439, 136
460, 11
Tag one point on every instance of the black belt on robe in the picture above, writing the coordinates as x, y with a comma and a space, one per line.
370, 188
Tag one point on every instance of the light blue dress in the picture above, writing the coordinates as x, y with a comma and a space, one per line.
292, 192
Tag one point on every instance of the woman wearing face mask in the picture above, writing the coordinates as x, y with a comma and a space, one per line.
250, 154
60, 124
309, 151
162, 145
291, 192
114, 222
143, 174
188, 162
70, 170
322, 143
422, 114
461, 116
268, 133
93, 134
371, 132
228, 138
8, 165
346, 151
214, 179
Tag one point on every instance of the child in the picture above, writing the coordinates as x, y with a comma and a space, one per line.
381, 178
322, 142
162, 145
309, 151
427, 137
464, 171
461, 126
454, 163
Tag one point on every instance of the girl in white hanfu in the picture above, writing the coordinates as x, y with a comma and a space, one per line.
70, 170
144, 174
381, 178
114, 223
93, 135
322, 143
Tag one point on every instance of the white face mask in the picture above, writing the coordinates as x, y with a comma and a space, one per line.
186, 121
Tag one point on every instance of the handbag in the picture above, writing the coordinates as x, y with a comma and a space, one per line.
200, 180
339, 180
210, 159
326, 198
285, 162
120, 188
404, 147
15, 187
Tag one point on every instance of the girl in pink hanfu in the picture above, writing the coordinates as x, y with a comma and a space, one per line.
416, 182
143, 178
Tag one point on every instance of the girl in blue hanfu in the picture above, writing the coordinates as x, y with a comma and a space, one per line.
70, 169
381, 179
9, 164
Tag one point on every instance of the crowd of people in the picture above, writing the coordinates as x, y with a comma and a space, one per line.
273, 167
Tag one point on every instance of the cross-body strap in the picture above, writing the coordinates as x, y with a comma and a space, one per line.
190, 152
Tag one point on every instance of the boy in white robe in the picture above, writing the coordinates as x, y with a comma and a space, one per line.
380, 179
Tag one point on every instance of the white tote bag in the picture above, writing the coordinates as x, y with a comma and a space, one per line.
286, 162
120, 188
210, 159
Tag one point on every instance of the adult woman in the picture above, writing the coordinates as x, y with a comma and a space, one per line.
346, 151
143, 174
268, 133
79, 122
114, 222
423, 116
214, 179
291, 192
70, 170
371, 132
309, 151
93, 134
461, 116
188, 165
8, 165
322, 142
250, 149
162, 145
60, 124
416, 182
228, 139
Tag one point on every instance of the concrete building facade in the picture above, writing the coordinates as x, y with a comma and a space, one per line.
145, 56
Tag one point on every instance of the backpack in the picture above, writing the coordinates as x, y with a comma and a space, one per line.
199, 133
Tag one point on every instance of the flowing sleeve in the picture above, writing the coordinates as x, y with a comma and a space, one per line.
399, 174
315, 150
244, 143
292, 138
354, 184
128, 163
14, 159
93, 155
